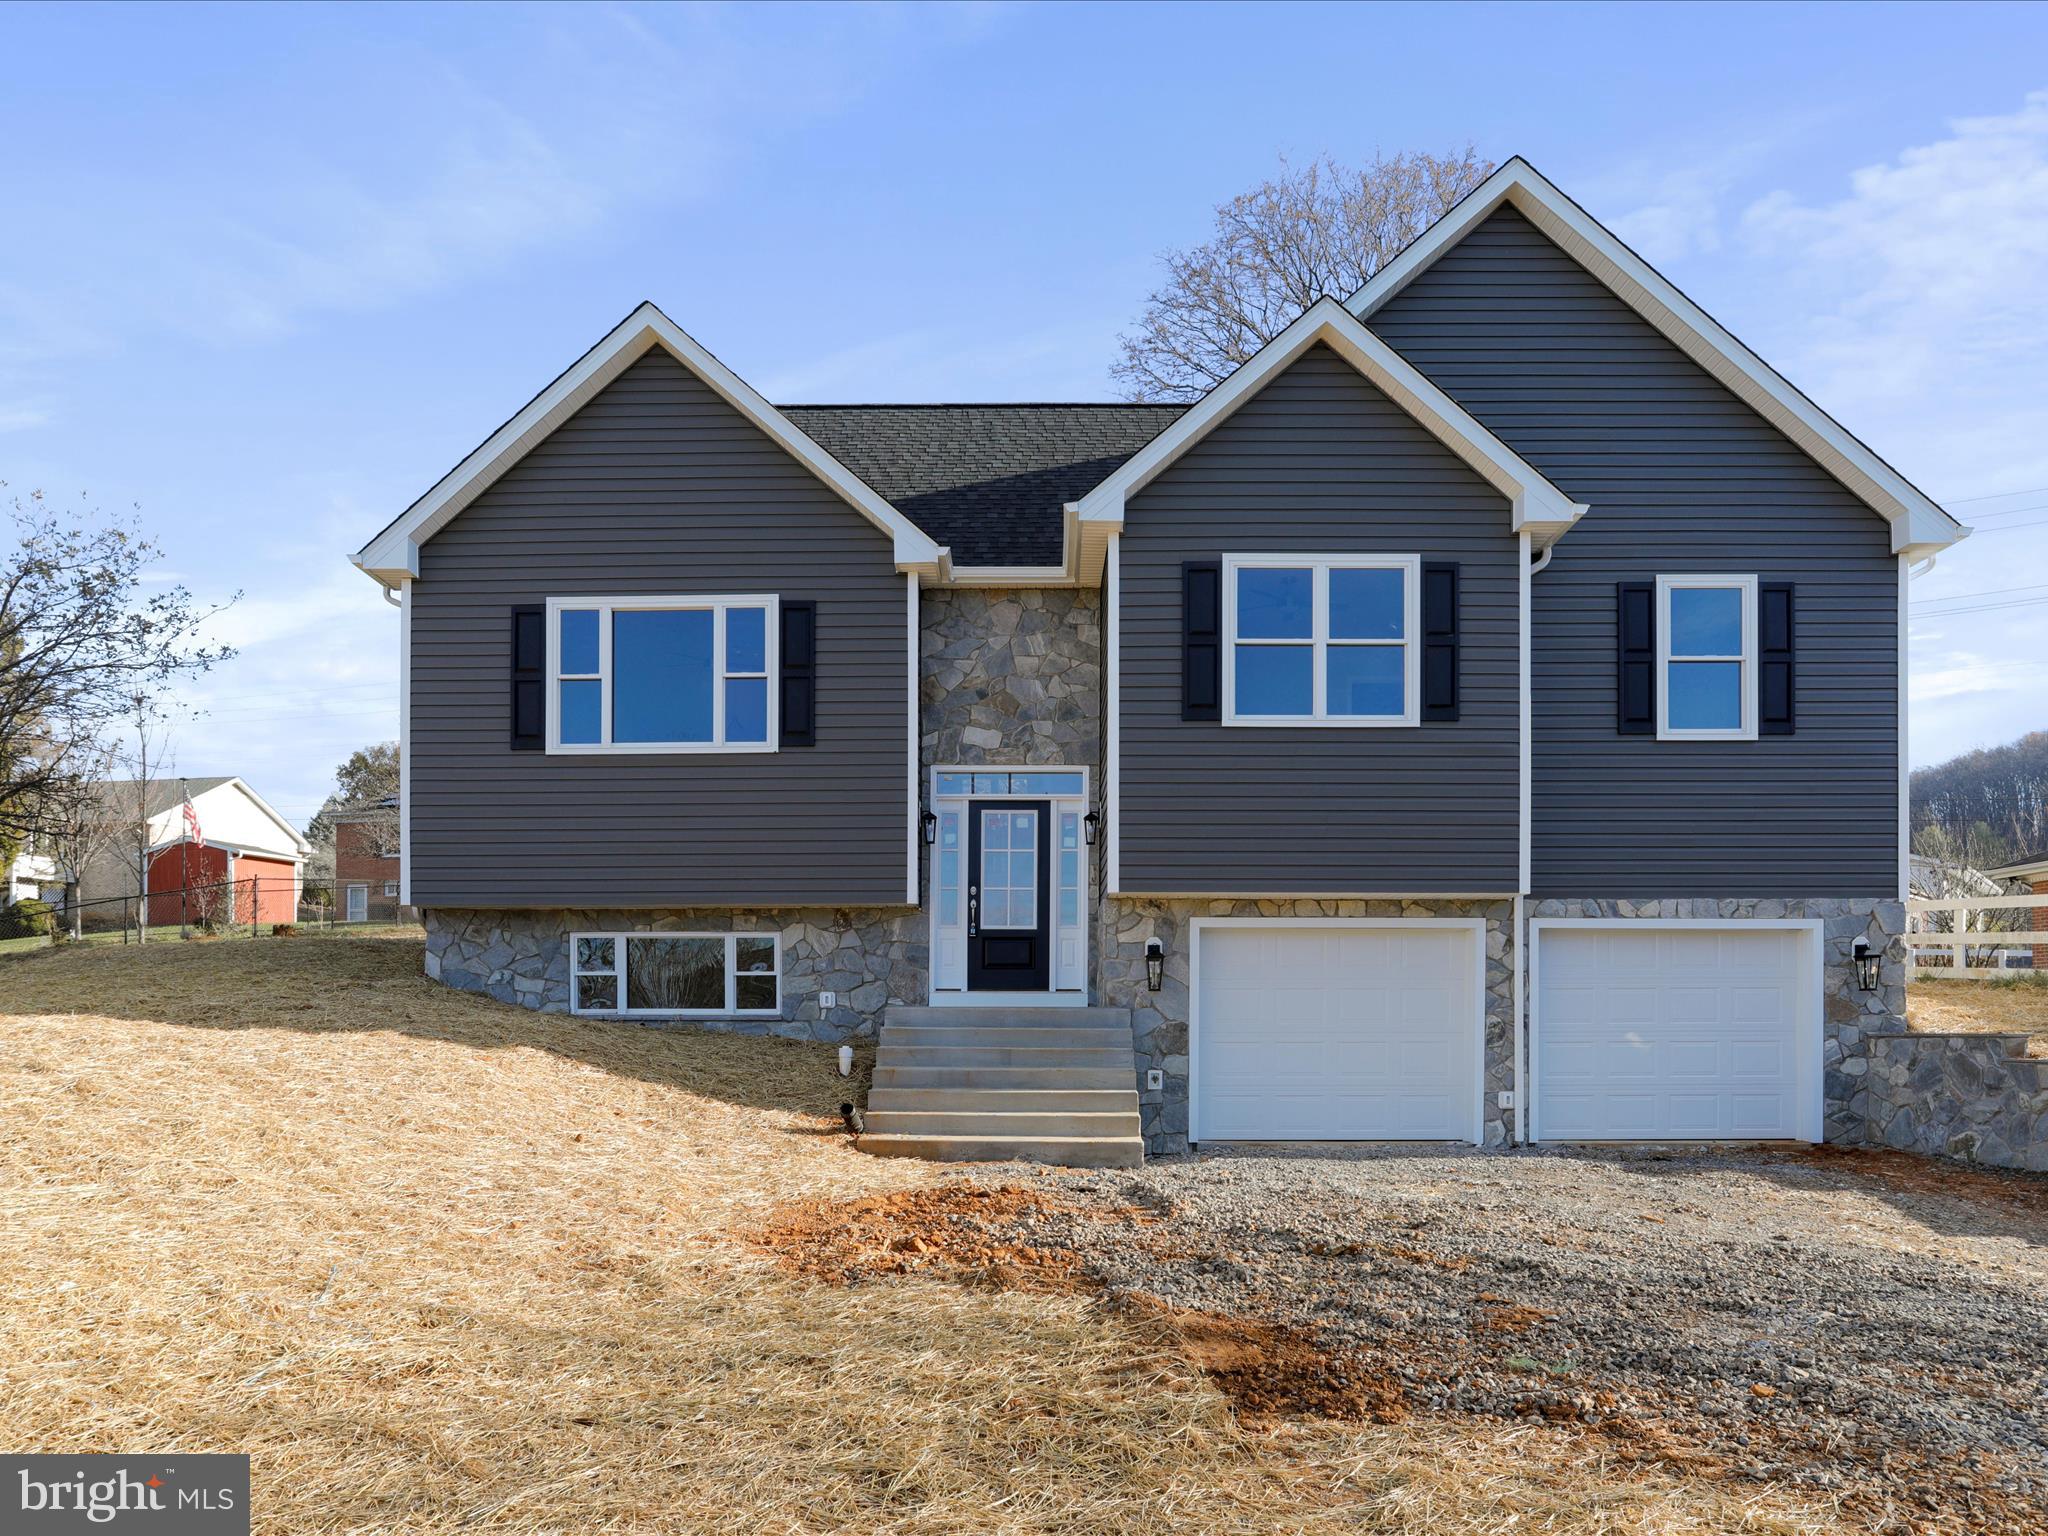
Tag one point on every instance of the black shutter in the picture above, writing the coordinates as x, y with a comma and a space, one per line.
1439, 639
1776, 636
1636, 658
799, 697
1201, 640
529, 678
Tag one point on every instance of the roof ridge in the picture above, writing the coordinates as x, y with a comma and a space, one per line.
984, 405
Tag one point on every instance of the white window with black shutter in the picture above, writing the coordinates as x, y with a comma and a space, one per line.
1705, 658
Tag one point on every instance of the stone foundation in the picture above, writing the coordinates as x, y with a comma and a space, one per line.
869, 957
1850, 1016
1974, 1097
1159, 1020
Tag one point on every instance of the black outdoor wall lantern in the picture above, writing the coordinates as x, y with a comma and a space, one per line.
1155, 964
1090, 825
1867, 962
931, 827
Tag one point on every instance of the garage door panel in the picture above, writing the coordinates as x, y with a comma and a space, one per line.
1336, 1034
1667, 1034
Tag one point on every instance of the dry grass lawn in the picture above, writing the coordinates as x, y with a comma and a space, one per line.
438, 1263
2018, 1006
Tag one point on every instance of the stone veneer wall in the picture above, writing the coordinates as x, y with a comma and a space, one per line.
869, 958
1850, 1016
1974, 1097
1159, 1020
1011, 677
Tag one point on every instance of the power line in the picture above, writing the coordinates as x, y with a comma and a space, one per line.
1963, 597
1963, 501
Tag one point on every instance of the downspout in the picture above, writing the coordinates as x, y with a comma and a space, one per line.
1520, 909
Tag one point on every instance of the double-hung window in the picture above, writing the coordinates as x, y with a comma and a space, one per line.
662, 674
665, 973
1706, 661
1321, 640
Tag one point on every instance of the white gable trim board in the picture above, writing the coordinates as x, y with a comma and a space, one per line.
1919, 524
1643, 1040
392, 557
1538, 507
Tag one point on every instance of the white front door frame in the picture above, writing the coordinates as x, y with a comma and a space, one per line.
1067, 985
1810, 1022
1476, 926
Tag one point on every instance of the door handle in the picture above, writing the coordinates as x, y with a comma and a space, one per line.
973, 910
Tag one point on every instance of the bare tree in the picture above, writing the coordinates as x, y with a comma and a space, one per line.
79, 639
1322, 229
143, 764
78, 824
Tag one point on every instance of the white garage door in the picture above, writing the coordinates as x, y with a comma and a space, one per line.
1675, 1034
1336, 1034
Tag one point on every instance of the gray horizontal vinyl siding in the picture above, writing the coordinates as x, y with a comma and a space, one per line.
1319, 462
1681, 477
657, 486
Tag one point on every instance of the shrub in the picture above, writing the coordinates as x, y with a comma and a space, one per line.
27, 918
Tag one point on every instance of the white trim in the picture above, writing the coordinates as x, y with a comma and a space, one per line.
913, 735
1319, 641
1112, 814
1811, 1028
1746, 661
1475, 926
349, 893
405, 744
1316, 895
618, 973
393, 555
1536, 504
1918, 523
1905, 741
719, 606
1524, 723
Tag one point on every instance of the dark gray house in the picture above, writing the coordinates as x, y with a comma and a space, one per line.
1480, 718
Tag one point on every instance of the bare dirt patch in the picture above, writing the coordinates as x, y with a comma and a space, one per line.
2018, 1006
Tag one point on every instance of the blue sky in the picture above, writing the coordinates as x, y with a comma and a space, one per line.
270, 272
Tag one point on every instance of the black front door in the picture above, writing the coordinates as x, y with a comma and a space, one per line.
1008, 858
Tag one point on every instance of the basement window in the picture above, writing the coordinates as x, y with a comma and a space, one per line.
670, 974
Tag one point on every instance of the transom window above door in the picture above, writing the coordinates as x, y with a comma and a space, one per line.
1328, 640
662, 674
1706, 631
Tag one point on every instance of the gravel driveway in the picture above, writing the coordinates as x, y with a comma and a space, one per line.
1866, 1322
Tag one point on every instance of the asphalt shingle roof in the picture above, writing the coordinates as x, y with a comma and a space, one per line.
989, 480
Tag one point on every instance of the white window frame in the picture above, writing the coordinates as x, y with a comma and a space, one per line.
1746, 585
1319, 568
716, 606
390, 888
618, 974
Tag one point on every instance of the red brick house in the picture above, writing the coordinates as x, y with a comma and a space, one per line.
368, 883
2035, 873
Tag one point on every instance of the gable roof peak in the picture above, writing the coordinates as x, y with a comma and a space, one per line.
1920, 526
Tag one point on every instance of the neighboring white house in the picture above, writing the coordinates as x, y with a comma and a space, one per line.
32, 875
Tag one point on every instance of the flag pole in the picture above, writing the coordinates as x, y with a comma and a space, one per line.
184, 861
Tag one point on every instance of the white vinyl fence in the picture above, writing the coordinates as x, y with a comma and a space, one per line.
1975, 938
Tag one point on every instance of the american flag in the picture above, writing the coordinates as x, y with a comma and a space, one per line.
192, 825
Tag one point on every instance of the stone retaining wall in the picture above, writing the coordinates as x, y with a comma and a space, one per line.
1973, 1097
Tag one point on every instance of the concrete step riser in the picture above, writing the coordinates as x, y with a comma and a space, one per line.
1052, 1078
898, 1123
997, 1101
1000, 1056
1055, 1018
1071, 1152
1040, 1037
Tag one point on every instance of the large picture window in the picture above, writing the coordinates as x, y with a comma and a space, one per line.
1321, 640
1706, 636
667, 674
665, 973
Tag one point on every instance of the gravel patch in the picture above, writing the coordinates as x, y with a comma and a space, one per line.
1861, 1322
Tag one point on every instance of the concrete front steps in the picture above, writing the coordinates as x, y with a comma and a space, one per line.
1046, 1085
